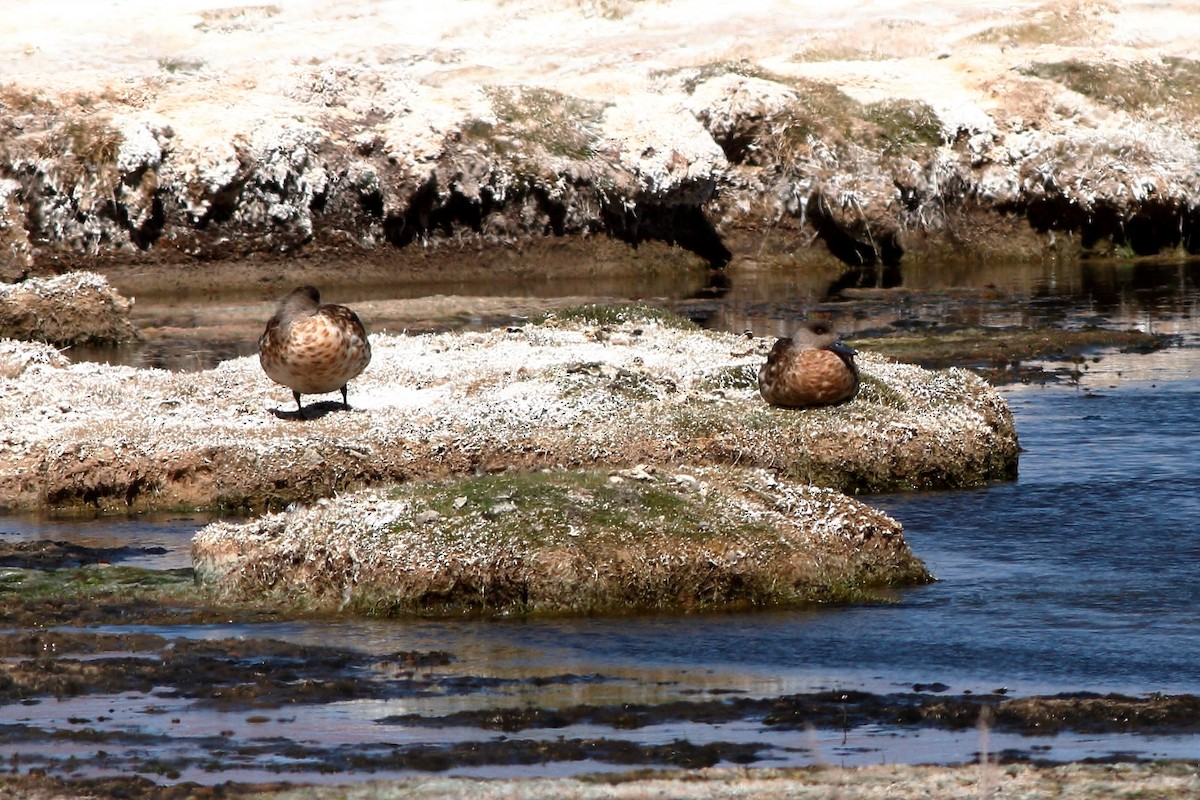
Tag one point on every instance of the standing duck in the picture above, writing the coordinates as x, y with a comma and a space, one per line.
810, 369
312, 348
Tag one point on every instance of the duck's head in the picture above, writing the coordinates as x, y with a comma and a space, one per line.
818, 334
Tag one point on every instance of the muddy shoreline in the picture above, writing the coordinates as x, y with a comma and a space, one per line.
262, 678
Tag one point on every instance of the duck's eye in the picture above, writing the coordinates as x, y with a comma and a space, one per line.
820, 328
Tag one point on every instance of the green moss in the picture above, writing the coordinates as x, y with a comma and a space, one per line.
821, 111
586, 542
541, 508
904, 126
873, 390
32, 585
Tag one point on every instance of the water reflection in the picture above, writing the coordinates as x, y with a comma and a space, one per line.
1109, 294
197, 330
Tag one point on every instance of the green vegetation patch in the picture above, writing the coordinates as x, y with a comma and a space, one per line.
715, 69
904, 126
822, 112
41, 597
114, 595
1070, 23
536, 117
1167, 84
542, 508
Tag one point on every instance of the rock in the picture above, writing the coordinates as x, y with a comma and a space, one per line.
687, 483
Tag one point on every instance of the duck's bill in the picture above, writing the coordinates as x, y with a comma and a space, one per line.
842, 349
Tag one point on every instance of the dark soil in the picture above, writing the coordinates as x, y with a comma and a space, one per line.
1081, 712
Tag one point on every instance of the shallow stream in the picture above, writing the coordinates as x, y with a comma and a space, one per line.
1079, 576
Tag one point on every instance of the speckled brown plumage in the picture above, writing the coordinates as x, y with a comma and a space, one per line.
313, 348
810, 369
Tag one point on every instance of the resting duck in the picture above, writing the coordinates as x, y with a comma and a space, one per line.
810, 369
312, 348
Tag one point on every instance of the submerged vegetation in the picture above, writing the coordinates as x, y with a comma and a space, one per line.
997, 354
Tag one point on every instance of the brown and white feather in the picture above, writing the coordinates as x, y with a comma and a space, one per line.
810, 369
313, 348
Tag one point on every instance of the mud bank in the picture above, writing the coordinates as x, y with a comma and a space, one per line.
252, 683
784, 132
600, 387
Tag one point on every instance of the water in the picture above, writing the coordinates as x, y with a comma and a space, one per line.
1083, 572
1078, 576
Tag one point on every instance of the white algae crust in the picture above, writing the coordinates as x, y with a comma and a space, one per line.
606, 390
1165, 780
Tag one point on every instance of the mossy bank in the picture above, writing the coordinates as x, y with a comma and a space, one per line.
778, 133
565, 542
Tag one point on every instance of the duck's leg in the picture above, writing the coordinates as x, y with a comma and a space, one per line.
299, 408
345, 397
